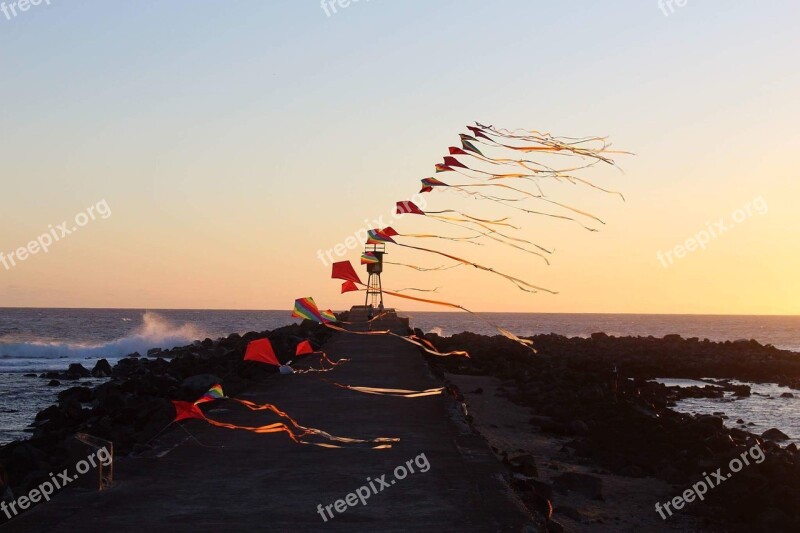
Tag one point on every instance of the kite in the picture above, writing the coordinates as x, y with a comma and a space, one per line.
304, 348
186, 410
369, 258
213, 394
307, 309
344, 270
349, 286
377, 237
545, 143
261, 351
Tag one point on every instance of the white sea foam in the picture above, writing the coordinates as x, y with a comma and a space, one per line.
154, 332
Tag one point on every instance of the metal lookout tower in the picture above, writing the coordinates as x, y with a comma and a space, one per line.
374, 289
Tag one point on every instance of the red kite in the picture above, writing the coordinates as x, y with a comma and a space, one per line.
344, 270
349, 286
304, 348
262, 352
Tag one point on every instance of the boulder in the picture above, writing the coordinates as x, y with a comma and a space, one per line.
77, 394
714, 421
102, 369
775, 434
77, 370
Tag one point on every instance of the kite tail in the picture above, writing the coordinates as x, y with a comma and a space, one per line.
303, 431
541, 196
388, 333
419, 290
454, 222
400, 393
428, 347
323, 359
524, 285
574, 179
428, 236
547, 144
505, 202
438, 214
424, 269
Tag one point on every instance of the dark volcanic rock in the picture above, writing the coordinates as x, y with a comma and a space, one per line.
76, 394
102, 369
77, 370
775, 434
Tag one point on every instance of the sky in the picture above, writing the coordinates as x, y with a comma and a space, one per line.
214, 151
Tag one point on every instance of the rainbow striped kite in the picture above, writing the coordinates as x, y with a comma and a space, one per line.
369, 258
378, 237
213, 394
328, 316
307, 309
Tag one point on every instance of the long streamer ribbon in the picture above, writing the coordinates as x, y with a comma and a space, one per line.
521, 284
400, 393
296, 432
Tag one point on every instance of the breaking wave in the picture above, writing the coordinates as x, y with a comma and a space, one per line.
154, 332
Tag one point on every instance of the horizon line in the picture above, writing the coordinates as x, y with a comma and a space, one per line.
437, 312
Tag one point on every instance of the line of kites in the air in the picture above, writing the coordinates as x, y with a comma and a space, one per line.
590, 150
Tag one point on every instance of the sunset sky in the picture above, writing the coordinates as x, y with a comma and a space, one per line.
232, 141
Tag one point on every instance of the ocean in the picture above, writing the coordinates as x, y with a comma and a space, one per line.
36, 340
